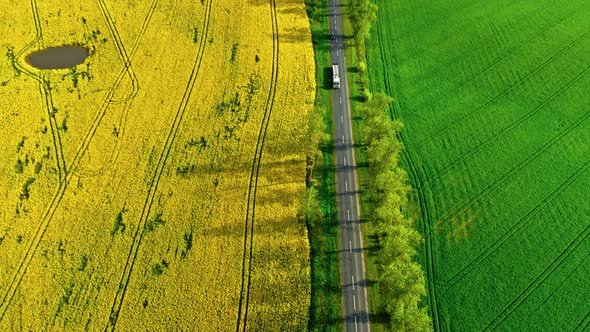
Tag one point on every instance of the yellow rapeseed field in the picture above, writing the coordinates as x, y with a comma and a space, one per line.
155, 186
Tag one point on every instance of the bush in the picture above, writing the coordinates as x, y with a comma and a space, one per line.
26, 188
361, 67
118, 223
188, 243
366, 94
154, 222
19, 167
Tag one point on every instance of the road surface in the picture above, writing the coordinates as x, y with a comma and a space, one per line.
354, 292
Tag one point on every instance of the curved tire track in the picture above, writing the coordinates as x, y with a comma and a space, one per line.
252, 187
56, 200
140, 229
134, 89
44, 90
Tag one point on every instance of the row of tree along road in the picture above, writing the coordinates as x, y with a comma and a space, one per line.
401, 279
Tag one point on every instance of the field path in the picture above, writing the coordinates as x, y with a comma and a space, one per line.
242, 319
140, 229
55, 202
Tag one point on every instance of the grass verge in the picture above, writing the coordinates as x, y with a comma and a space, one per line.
325, 313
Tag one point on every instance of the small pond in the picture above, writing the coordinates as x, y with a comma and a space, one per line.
57, 57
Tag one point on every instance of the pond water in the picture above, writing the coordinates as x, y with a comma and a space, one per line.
57, 57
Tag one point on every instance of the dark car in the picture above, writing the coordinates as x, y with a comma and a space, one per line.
332, 37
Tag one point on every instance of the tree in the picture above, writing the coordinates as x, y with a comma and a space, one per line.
404, 282
309, 207
361, 67
382, 154
376, 121
400, 242
364, 13
317, 136
313, 8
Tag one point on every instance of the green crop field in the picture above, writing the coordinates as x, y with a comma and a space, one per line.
495, 100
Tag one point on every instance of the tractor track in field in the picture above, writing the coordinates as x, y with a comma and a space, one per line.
444, 170
463, 207
253, 185
58, 147
56, 200
44, 85
518, 226
519, 82
583, 324
134, 88
44, 91
153, 187
571, 272
442, 42
416, 174
422, 181
522, 296
492, 63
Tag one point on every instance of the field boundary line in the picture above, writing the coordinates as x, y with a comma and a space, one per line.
253, 185
519, 225
520, 298
56, 200
140, 229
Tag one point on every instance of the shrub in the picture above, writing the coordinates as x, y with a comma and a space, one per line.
154, 222
118, 223
19, 166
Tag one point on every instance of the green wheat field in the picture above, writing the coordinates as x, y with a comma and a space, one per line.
495, 100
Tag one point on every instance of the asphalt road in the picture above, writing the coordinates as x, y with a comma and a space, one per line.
354, 292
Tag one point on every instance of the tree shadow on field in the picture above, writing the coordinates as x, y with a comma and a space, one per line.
293, 11
295, 36
368, 283
270, 199
272, 255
